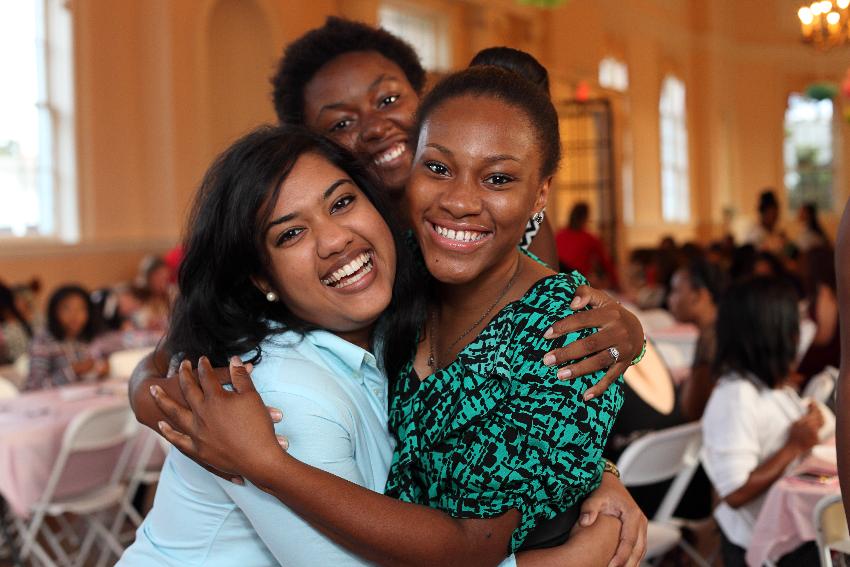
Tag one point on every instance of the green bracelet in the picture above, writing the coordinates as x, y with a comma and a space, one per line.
639, 357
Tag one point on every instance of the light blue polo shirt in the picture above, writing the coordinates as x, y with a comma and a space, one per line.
334, 403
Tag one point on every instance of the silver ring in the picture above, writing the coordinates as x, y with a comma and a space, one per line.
615, 354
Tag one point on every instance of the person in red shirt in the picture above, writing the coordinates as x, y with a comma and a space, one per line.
578, 249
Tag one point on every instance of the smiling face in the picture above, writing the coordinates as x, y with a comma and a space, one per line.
475, 183
331, 253
364, 102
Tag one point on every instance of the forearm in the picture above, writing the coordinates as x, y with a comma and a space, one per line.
396, 533
586, 547
763, 477
695, 392
151, 371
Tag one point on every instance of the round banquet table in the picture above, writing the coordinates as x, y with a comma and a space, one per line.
31, 429
786, 519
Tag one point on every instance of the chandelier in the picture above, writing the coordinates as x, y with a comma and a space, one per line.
825, 24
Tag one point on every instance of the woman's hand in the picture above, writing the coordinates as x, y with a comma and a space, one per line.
612, 499
616, 327
229, 431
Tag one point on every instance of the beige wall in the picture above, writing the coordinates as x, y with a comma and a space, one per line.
162, 85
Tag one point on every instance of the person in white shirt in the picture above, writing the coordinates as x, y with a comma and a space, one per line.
755, 425
766, 235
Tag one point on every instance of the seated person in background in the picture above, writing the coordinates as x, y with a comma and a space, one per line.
154, 281
766, 235
579, 249
15, 331
62, 354
812, 235
755, 425
820, 280
694, 292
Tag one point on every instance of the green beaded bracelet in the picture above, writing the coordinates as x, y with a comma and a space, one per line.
639, 357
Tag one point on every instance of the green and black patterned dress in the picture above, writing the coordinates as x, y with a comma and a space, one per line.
496, 429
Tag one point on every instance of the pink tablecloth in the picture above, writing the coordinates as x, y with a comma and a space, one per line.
31, 430
785, 521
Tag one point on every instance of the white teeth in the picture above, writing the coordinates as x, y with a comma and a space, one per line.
390, 154
459, 235
363, 261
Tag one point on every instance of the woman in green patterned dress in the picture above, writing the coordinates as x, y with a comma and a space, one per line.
490, 442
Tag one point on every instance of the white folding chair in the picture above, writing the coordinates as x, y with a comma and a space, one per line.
141, 474
97, 429
831, 526
7, 389
123, 362
658, 456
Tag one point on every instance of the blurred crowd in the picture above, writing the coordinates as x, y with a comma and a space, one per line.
71, 338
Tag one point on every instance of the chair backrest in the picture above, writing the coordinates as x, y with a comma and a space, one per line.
123, 362
830, 525
7, 389
663, 455
95, 429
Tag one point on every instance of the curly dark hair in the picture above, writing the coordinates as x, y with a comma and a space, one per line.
510, 88
303, 58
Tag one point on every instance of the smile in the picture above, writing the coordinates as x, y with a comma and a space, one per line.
350, 273
459, 235
457, 239
391, 154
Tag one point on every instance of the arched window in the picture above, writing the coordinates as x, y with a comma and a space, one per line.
613, 74
37, 188
808, 151
675, 182
423, 28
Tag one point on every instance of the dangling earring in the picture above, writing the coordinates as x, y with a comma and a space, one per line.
538, 217
271, 297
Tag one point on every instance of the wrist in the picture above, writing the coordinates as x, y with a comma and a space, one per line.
270, 469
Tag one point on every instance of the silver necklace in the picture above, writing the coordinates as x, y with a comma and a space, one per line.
433, 363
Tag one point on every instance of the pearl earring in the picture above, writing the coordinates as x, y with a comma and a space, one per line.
271, 297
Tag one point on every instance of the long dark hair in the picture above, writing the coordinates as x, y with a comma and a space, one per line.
758, 326
54, 326
9, 308
812, 222
219, 311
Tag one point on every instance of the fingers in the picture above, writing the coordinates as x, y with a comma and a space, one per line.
599, 361
581, 297
587, 295
283, 442
595, 343
639, 549
191, 391
275, 414
610, 376
588, 516
176, 414
632, 544
206, 377
182, 442
582, 320
240, 376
